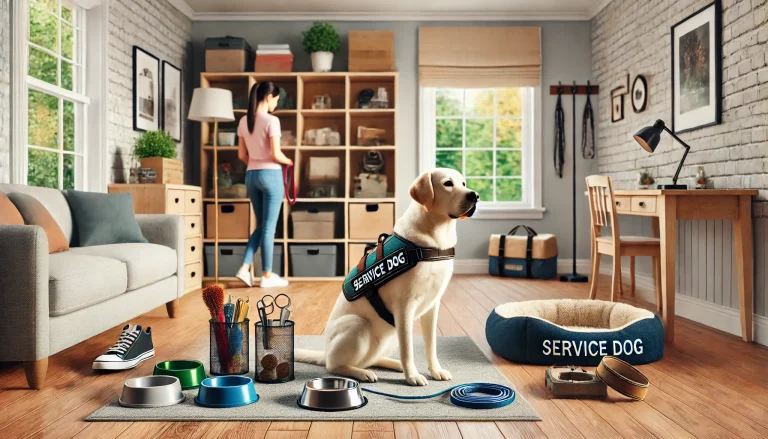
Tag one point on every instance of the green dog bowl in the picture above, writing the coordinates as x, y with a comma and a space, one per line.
190, 373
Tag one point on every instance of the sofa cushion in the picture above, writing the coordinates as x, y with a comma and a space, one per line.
36, 214
102, 219
52, 199
78, 281
9, 214
146, 263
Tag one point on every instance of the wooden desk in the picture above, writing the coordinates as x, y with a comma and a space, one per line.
665, 207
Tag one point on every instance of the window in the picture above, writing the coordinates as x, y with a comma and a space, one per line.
487, 135
55, 147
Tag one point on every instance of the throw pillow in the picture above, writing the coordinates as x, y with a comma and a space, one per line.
102, 219
35, 214
9, 214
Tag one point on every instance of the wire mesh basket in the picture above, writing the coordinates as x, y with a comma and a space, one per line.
274, 353
229, 348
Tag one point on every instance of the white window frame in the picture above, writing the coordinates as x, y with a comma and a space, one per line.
91, 137
530, 207
76, 96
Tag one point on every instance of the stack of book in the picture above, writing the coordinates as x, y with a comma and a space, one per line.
274, 58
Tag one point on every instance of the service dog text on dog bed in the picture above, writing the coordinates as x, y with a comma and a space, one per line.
593, 348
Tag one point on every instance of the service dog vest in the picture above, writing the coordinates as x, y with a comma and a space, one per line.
393, 256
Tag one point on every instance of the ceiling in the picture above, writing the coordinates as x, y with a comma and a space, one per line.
400, 10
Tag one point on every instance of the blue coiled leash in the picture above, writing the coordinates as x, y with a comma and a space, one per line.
492, 395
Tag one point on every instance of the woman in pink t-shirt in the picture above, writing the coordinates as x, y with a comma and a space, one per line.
259, 148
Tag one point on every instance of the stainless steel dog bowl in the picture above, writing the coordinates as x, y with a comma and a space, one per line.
331, 395
151, 391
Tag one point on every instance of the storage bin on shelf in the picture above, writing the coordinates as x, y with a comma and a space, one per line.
227, 54
230, 259
313, 260
313, 223
369, 220
233, 220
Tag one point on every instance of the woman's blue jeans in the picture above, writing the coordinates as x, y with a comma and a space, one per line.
266, 190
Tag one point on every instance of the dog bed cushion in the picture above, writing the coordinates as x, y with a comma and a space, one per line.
574, 332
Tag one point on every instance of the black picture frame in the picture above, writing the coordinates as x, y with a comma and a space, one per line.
617, 105
146, 80
639, 81
172, 109
714, 115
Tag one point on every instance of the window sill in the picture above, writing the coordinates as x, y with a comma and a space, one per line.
498, 213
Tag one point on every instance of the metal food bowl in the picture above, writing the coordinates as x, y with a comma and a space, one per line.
331, 395
190, 373
226, 391
151, 391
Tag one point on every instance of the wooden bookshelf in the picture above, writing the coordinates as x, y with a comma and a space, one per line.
343, 88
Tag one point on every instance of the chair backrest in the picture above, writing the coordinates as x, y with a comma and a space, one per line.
602, 206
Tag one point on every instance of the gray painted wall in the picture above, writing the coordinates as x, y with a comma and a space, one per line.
733, 154
566, 49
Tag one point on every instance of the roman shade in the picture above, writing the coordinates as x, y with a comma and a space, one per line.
480, 57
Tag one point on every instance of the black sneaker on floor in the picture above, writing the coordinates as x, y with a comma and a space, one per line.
133, 347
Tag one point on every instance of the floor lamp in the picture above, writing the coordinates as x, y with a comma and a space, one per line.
213, 105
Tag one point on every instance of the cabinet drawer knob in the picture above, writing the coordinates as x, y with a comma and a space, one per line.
192, 274
176, 200
193, 225
193, 248
618, 203
193, 201
641, 204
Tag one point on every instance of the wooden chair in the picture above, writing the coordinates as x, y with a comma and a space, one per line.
603, 214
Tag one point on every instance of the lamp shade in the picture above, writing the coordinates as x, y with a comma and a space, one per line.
211, 105
649, 137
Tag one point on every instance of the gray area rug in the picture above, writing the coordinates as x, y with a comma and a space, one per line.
277, 402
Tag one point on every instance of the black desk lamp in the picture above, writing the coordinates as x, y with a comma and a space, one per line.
649, 138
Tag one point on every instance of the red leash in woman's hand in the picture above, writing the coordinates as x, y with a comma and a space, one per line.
290, 184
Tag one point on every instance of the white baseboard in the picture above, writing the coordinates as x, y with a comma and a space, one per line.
715, 316
480, 266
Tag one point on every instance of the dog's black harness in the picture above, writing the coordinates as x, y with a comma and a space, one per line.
393, 256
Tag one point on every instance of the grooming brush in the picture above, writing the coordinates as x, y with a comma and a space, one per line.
213, 296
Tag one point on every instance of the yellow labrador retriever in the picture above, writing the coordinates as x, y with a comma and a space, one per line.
356, 338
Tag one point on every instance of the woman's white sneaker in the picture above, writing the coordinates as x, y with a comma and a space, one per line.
273, 281
244, 274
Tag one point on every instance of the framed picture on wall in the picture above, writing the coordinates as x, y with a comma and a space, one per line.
617, 105
171, 100
697, 69
146, 87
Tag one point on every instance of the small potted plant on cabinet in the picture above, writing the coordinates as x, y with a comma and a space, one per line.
157, 150
322, 41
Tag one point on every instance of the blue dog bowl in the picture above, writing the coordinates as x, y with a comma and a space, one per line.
226, 392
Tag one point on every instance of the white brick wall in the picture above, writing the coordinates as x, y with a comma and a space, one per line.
5, 79
734, 154
160, 29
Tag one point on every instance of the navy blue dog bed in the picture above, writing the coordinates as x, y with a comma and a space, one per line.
574, 332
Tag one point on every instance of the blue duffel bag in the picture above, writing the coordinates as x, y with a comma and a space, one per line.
532, 256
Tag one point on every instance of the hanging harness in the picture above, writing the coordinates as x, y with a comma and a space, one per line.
588, 128
559, 133
393, 256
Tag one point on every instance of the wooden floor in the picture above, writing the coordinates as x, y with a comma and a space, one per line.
709, 384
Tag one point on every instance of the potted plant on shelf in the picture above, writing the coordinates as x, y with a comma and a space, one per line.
157, 150
321, 41
646, 181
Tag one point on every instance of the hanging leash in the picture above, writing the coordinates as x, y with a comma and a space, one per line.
588, 128
559, 133
290, 184
470, 395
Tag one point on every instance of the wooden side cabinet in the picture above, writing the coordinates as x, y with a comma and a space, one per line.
185, 201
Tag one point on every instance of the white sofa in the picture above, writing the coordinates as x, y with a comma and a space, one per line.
51, 302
